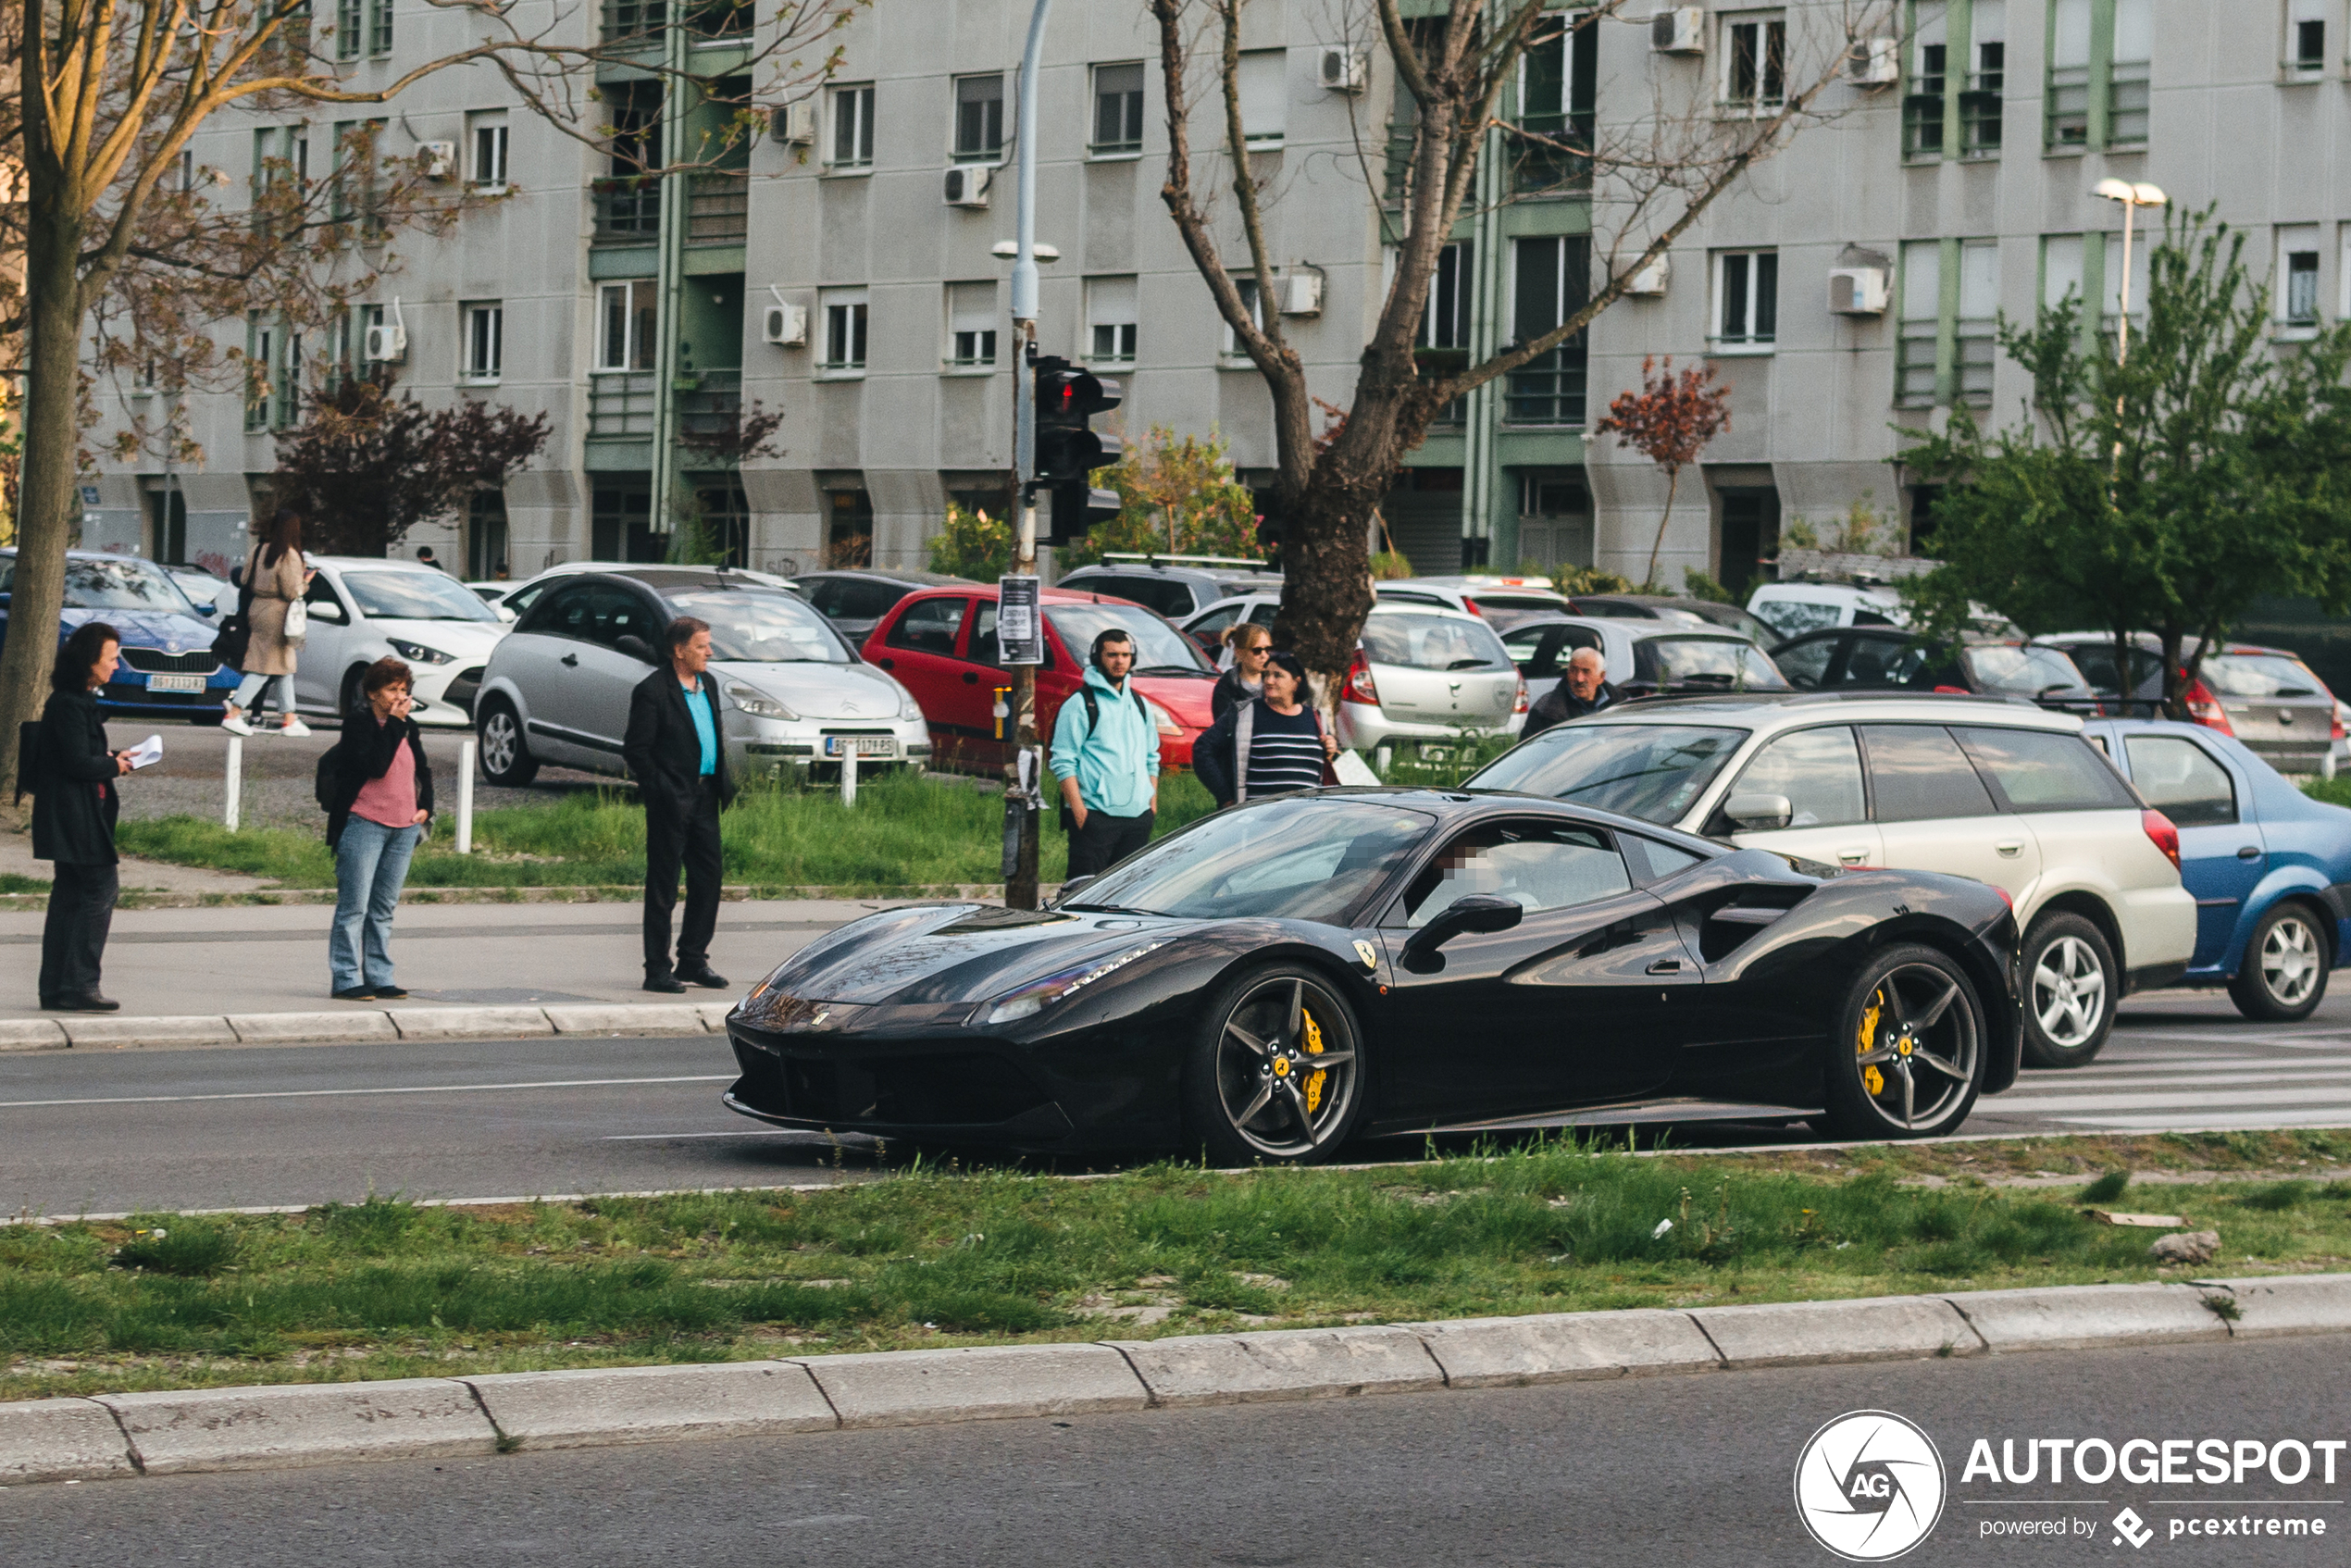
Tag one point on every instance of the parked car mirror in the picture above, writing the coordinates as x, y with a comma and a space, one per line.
1758, 813
1478, 912
638, 648
328, 610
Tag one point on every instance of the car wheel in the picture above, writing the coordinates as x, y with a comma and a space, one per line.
2284, 972
2069, 991
1275, 1074
1908, 1055
505, 755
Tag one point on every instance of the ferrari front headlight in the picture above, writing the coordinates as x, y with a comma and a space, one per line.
1037, 995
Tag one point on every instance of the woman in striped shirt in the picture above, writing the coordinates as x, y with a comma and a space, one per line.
1271, 746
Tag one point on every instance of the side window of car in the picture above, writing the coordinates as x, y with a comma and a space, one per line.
2182, 779
1818, 770
1919, 774
1805, 661
1535, 650
522, 602
1537, 865
983, 650
857, 600
930, 626
603, 615
1870, 661
824, 597
628, 615
564, 613
322, 604
2044, 769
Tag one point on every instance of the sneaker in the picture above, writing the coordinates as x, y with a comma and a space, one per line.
235, 723
294, 726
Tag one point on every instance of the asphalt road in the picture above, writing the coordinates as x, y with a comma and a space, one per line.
106, 1132
1667, 1471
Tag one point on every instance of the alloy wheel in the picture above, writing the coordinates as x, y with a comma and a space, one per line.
2290, 963
1286, 1066
1915, 1049
499, 739
2069, 991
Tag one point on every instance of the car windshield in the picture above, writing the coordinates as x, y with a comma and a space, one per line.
1301, 858
1652, 771
2027, 671
1717, 661
1413, 640
2256, 674
1794, 618
415, 596
764, 627
1158, 646
1731, 615
118, 582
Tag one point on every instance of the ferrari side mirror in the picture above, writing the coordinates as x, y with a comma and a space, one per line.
1479, 913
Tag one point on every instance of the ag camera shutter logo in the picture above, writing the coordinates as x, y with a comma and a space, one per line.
1869, 1485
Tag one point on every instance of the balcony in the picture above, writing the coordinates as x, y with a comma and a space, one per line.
710, 409
628, 210
717, 210
1550, 390
620, 405
706, 21
1543, 167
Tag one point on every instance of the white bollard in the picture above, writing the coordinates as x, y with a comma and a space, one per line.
848, 772
234, 785
466, 749
1383, 758
2326, 763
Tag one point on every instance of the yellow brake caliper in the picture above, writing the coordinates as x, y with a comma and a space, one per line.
1871, 1079
1314, 1048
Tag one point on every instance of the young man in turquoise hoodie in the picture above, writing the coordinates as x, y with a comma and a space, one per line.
1106, 755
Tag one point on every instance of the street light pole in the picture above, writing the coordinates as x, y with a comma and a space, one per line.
2132, 197
1026, 779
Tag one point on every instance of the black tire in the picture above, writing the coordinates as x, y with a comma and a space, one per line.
1248, 1096
2070, 984
505, 753
1906, 1058
2283, 976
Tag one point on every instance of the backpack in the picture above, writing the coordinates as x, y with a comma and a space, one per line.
1094, 722
235, 636
329, 776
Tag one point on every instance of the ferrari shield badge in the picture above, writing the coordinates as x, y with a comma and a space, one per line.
1363, 950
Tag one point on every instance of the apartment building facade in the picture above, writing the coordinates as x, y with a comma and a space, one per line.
840, 270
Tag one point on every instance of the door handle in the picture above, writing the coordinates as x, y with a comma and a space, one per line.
2011, 849
572, 660
1853, 857
1666, 967
2250, 851
971, 678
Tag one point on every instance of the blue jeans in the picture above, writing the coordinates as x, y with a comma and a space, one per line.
253, 687
371, 862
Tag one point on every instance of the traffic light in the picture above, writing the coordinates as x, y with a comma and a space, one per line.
1068, 450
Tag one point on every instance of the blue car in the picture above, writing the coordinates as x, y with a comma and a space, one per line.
2270, 868
167, 669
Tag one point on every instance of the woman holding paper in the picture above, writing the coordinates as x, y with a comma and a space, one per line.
73, 816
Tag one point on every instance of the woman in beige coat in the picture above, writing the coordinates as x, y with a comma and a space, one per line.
275, 572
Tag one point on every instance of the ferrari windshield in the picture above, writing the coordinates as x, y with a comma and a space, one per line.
1652, 771
1300, 857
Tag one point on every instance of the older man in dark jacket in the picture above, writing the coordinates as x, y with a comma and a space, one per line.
1584, 689
677, 750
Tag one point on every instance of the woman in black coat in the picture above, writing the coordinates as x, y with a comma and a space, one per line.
73, 816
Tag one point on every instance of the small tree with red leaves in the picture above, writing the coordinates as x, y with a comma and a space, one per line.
1669, 421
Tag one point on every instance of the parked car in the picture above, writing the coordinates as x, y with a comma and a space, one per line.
942, 644
1794, 608
494, 593
1175, 587
1505, 601
1873, 659
363, 608
2266, 697
1645, 657
2265, 863
1423, 676
1273, 979
1208, 627
168, 668
2007, 794
855, 601
1666, 607
209, 594
794, 693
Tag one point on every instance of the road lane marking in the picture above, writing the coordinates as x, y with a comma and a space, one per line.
2331, 1117
2051, 1104
2286, 1074
328, 1093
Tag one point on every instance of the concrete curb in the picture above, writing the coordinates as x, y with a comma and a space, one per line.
141, 898
289, 1425
110, 1031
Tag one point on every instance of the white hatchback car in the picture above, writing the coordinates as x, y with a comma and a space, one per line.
2004, 792
362, 609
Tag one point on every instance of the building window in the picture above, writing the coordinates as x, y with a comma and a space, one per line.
971, 325
1550, 281
1443, 342
2063, 264
1265, 81
485, 340
351, 21
980, 119
1118, 109
626, 318
1948, 349
1918, 346
2093, 110
1110, 317
844, 331
2297, 285
488, 139
1755, 61
1975, 346
852, 127
1234, 356
2305, 38
379, 27
1980, 104
273, 385
1746, 301
1924, 105
1558, 80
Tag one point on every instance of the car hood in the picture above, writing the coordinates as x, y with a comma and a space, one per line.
1187, 697
148, 628
459, 639
813, 691
940, 953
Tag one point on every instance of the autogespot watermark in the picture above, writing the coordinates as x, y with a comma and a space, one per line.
1869, 1485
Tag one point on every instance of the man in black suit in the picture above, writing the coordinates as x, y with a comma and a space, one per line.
676, 751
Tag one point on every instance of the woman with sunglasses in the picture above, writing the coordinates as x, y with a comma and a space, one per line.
1252, 645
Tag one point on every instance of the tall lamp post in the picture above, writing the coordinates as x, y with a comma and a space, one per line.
2132, 197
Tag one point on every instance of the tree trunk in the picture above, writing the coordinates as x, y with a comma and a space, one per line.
1673, 482
44, 516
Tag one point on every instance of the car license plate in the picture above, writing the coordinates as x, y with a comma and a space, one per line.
865, 745
192, 684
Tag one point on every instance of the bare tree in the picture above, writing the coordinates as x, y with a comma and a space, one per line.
1650, 178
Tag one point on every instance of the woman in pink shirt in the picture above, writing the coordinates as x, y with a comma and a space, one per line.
377, 788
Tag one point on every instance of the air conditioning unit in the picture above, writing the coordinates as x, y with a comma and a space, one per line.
437, 160
387, 343
967, 184
1649, 282
1344, 70
1874, 62
785, 325
1681, 31
1858, 291
1301, 294
793, 124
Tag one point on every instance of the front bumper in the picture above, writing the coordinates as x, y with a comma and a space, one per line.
769, 746
130, 693
444, 694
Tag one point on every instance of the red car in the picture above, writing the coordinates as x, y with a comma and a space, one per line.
942, 644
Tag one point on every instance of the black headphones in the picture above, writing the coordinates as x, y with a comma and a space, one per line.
1094, 654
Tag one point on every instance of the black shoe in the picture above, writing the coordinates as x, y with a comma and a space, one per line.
389, 993
705, 976
358, 993
669, 985
93, 1002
